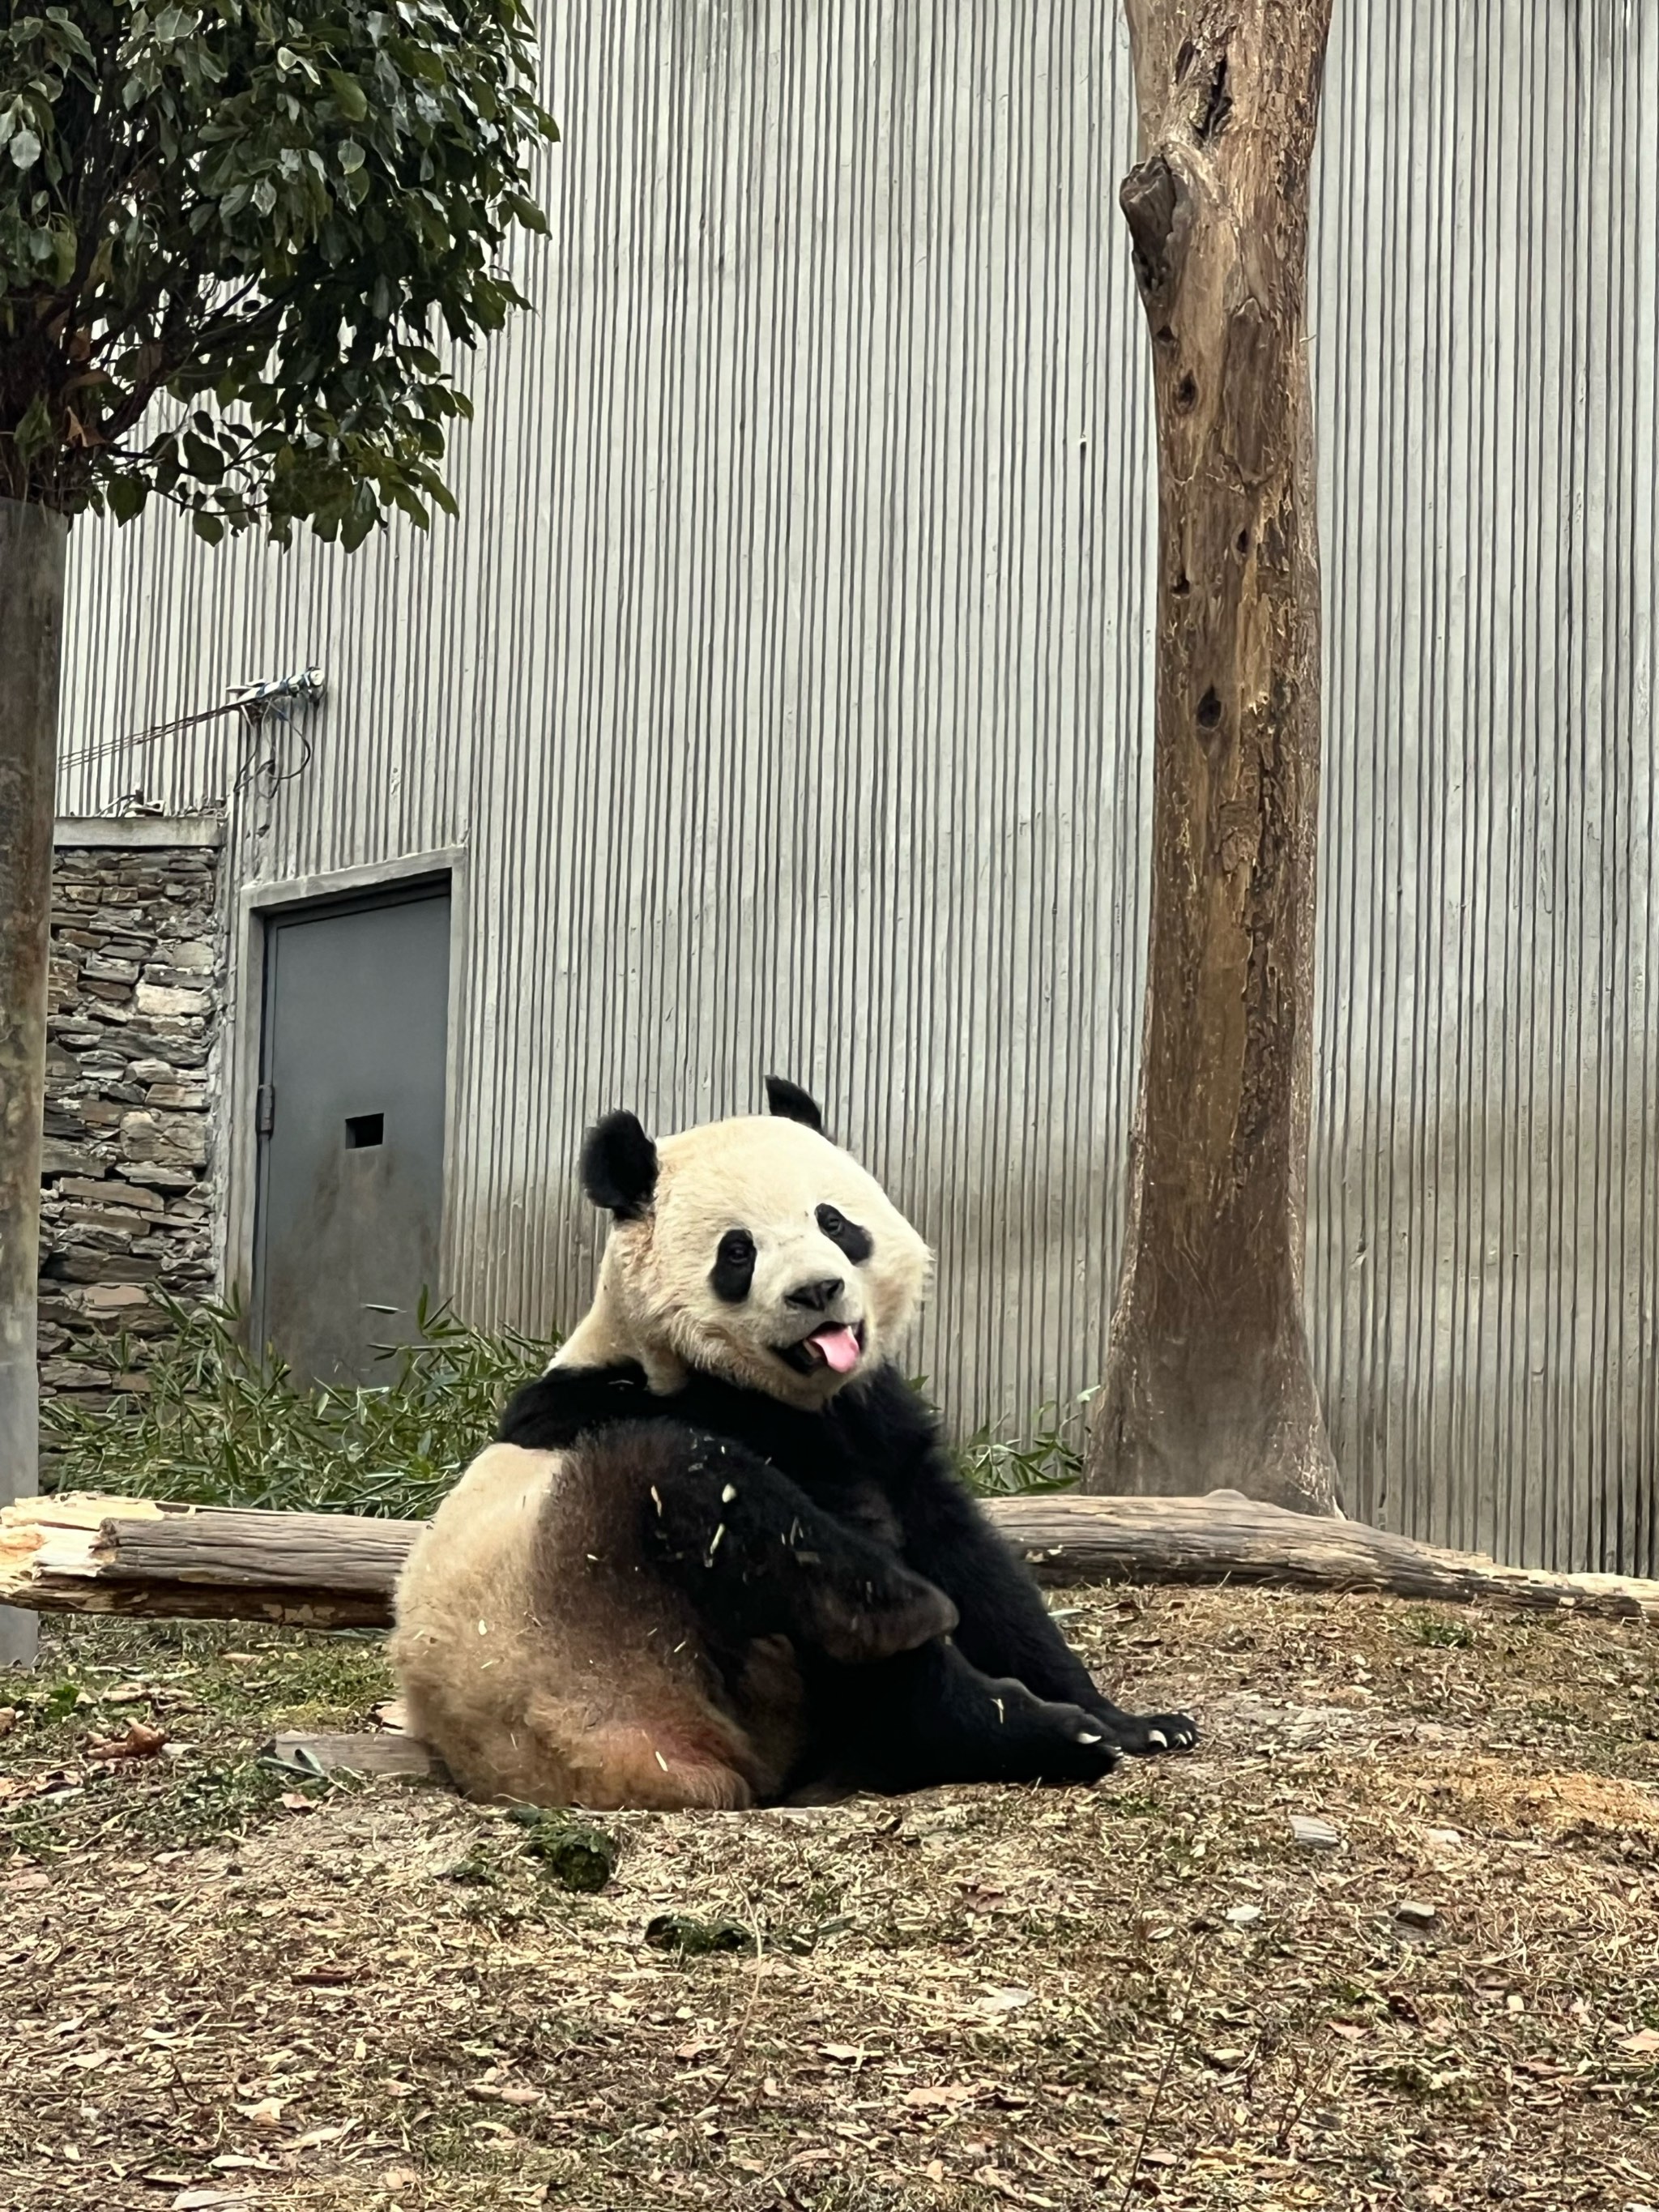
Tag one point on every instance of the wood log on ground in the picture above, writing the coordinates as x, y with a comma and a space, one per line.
1227, 1538
336, 1571
135, 1555
390, 1753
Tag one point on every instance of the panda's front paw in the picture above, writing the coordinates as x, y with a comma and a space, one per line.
1143, 1734
898, 1614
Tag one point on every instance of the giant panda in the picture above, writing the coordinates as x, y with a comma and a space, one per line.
718, 1555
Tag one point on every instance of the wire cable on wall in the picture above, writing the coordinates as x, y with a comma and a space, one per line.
253, 701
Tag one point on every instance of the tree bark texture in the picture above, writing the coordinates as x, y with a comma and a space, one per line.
1207, 1381
133, 1556
127, 1555
31, 542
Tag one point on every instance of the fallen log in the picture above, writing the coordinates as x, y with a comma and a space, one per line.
1226, 1537
389, 1752
138, 1556
124, 1555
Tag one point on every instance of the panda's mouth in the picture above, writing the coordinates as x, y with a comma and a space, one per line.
836, 1344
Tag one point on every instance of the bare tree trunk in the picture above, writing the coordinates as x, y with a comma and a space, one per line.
1207, 1381
32, 541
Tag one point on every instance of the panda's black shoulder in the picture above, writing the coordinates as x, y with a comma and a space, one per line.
550, 1414
878, 1429
886, 1427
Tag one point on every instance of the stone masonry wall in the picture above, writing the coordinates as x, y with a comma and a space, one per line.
130, 1193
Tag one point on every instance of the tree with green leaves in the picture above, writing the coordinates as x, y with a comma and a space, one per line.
239, 247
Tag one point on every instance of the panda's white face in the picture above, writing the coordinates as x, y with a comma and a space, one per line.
765, 1255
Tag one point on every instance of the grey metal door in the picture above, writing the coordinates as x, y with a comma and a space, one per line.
349, 1204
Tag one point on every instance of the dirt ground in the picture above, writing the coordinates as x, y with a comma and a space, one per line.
222, 1991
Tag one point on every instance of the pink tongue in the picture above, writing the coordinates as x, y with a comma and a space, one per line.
839, 1346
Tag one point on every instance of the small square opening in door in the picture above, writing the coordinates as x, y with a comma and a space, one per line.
363, 1130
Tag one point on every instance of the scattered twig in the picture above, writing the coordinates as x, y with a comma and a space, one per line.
738, 2045
1177, 2031
1307, 2079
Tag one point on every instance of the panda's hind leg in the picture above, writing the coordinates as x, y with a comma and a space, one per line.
756, 1557
929, 1718
678, 1763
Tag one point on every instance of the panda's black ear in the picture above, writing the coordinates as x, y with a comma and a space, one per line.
619, 1166
790, 1101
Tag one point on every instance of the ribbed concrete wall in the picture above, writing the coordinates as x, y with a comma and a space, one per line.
787, 675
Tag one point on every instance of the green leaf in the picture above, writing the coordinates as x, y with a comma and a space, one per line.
525, 212
127, 496
25, 147
349, 156
63, 251
205, 462
354, 100
207, 526
34, 433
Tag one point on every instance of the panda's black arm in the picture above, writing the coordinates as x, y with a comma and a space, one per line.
758, 1558
550, 1414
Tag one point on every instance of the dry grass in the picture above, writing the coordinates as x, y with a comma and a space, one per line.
220, 1991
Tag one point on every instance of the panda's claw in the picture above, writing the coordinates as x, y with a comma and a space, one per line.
1142, 1734
1036, 1740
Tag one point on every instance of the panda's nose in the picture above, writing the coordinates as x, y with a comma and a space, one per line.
815, 1297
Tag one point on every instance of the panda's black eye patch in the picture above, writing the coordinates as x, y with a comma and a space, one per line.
845, 1235
734, 1266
